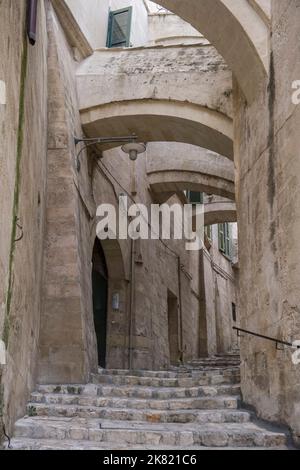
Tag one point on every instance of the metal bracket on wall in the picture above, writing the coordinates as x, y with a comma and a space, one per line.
100, 140
21, 229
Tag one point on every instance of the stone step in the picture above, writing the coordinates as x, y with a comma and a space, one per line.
136, 433
216, 364
142, 415
179, 372
52, 444
163, 393
218, 402
232, 377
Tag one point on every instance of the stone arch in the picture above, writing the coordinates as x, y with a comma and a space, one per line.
114, 260
237, 30
220, 212
117, 303
118, 274
161, 120
175, 181
189, 74
173, 167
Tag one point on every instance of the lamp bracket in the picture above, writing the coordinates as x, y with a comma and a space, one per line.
100, 140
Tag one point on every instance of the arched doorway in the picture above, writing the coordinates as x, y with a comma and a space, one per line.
100, 295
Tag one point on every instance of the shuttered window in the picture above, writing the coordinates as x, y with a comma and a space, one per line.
208, 232
119, 27
194, 197
224, 239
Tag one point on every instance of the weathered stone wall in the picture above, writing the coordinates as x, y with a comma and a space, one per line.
218, 293
67, 338
156, 73
268, 205
167, 29
22, 200
225, 296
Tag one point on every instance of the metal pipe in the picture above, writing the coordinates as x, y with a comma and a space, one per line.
268, 338
32, 20
132, 295
107, 140
180, 307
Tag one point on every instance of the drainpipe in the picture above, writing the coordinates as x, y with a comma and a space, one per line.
32, 20
131, 310
180, 308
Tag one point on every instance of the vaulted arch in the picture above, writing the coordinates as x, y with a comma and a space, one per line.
237, 30
173, 167
160, 120
220, 212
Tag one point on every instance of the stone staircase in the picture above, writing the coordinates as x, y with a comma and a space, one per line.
218, 361
186, 408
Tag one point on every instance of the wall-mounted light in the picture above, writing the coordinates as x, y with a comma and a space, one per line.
132, 147
115, 301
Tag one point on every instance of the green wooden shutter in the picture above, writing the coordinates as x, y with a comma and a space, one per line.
227, 240
195, 197
119, 28
221, 238
208, 231
224, 239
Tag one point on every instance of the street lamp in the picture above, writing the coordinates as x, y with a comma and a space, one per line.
131, 146
133, 149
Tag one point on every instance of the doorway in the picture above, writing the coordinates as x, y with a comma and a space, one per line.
173, 328
100, 295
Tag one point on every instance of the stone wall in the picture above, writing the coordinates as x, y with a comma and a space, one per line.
218, 293
22, 200
167, 29
156, 73
268, 205
67, 339
225, 295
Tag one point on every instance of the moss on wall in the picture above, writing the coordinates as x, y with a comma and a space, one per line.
15, 209
20, 136
1, 410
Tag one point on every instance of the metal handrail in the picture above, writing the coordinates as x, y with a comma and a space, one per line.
274, 340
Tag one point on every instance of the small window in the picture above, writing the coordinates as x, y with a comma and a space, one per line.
119, 27
233, 312
194, 197
208, 232
224, 239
